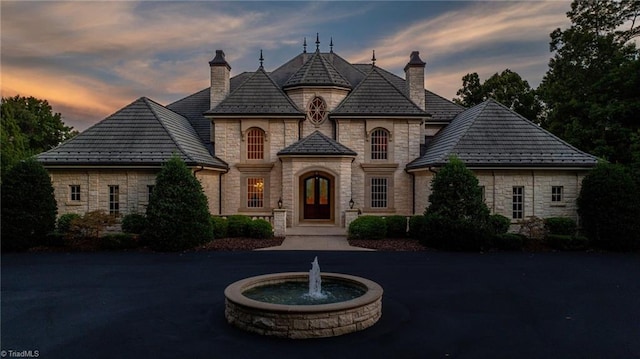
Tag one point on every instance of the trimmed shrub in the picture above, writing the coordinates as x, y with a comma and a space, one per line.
220, 225
560, 225
499, 224
533, 228
609, 207
454, 235
134, 223
567, 242
238, 225
396, 226
64, 222
368, 227
118, 241
178, 215
92, 224
416, 227
508, 242
260, 228
29, 208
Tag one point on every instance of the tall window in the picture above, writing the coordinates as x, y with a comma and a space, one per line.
114, 200
378, 192
317, 111
379, 144
149, 192
556, 194
75, 192
255, 144
255, 192
518, 202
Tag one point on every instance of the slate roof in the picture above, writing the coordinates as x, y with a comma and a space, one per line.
257, 95
317, 71
317, 144
440, 109
491, 135
144, 133
377, 96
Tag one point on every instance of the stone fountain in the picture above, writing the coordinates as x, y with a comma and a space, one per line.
295, 305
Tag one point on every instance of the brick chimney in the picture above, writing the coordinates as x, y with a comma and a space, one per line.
414, 75
220, 82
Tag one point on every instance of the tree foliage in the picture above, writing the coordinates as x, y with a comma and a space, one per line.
591, 88
29, 127
29, 208
506, 87
609, 208
178, 215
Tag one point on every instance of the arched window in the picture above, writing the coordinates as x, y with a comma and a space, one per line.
317, 111
255, 144
379, 144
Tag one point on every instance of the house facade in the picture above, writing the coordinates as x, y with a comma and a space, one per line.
319, 138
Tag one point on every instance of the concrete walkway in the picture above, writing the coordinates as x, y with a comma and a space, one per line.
316, 238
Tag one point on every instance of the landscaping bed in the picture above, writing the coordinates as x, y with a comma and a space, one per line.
389, 244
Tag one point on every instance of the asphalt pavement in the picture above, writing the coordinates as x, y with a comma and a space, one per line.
435, 305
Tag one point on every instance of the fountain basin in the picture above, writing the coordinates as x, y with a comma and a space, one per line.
303, 321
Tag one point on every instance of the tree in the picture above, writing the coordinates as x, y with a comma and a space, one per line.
457, 218
591, 88
29, 127
29, 208
178, 215
507, 87
609, 208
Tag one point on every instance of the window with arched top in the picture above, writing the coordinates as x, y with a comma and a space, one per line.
379, 144
317, 111
255, 144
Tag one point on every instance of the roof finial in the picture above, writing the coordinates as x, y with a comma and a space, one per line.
331, 44
317, 41
304, 45
261, 58
373, 58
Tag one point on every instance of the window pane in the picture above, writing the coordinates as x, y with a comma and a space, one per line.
324, 191
255, 192
317, 111
379, 144
378, 192
518, 202
75, 192
114, 200
556, 193
255, 144
310, 187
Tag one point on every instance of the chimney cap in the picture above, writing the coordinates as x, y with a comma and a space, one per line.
415, 61
219, 60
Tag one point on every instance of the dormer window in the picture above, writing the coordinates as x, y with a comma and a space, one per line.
317, 111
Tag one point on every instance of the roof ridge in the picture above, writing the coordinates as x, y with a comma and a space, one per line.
375, 68
149, 102
275, 85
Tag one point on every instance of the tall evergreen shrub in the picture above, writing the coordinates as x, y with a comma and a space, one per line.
29, 207
178, 215
609, 207
457, 218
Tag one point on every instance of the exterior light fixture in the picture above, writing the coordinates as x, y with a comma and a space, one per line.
351, 203
280, 203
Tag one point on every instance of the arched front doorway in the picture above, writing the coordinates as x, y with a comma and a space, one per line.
317, 196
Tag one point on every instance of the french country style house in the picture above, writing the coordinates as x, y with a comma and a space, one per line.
317, 138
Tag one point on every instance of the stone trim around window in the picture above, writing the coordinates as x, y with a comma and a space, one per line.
244, 192
368, 179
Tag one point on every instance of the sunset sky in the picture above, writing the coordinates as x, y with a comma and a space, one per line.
89, 59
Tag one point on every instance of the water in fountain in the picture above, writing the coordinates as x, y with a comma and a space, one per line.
315, 281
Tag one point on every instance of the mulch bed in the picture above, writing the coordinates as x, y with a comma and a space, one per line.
389, 244
238, 244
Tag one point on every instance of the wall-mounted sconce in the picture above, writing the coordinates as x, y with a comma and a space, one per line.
351, 203
280, 203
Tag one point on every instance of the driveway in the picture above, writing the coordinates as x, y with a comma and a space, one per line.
435, 305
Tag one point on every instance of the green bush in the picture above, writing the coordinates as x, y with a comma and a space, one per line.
134, 223
609, 207
454, 234
416, 227
29, 208
118, 241
508, 241
220, 225
178, 215
560, 225
499, 224
64, 222
261, 229
368, 227
567, 242
396, 226
55, 239
238, 225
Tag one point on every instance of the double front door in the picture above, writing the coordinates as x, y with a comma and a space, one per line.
317, 197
